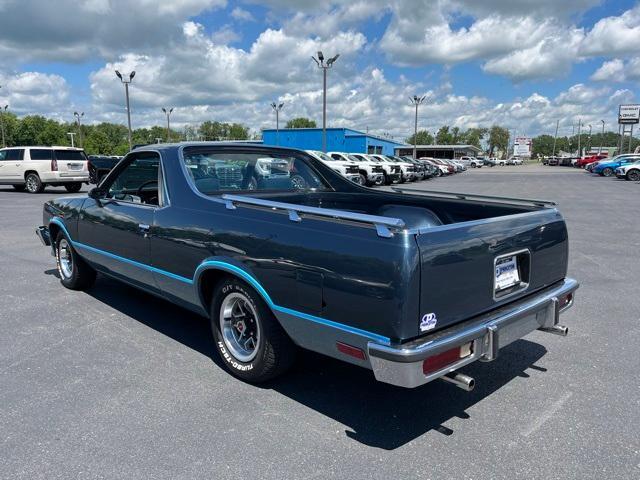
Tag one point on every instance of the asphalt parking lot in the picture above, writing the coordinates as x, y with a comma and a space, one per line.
114, 383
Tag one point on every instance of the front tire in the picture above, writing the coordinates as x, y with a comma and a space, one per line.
73, 187
251, 343
607, 172
75, 273
33, 184
363, 180
633, 175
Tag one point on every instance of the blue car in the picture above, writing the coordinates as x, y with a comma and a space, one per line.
607, 169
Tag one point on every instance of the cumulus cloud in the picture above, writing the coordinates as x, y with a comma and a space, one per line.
35, 93
614, 35
618, 70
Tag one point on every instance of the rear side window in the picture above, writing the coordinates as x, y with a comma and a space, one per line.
213, 171
14, 154
76, 155
40, 154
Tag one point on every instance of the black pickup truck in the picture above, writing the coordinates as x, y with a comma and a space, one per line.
100, 165
411, 284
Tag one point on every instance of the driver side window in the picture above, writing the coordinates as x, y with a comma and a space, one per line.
138, 181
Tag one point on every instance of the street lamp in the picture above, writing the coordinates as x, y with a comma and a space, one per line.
72, 135
167, 112
416, 101
276, 108
126, 80
324, 66
579, 136
2, 112
589, 140
601, 138
78, 117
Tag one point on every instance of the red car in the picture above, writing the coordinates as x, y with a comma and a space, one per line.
583, 162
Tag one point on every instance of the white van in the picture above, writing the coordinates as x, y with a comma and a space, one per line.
33, 168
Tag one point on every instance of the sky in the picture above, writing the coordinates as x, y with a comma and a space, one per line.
523, 64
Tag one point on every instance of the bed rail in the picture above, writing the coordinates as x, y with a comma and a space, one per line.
383, 225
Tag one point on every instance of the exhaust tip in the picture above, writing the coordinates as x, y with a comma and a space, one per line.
460, 380
556, 330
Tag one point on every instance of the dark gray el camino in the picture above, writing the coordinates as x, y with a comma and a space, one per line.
279, 252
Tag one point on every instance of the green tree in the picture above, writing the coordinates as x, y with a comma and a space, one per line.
498, 139
542, 145
423, 138
444, 136
474, 136
301, 122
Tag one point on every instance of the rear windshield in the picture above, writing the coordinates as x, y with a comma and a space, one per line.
70, 155
216, 170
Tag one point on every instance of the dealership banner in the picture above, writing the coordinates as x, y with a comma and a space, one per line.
522, 147
629, 114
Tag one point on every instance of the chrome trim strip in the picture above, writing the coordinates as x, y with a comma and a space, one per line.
324, 212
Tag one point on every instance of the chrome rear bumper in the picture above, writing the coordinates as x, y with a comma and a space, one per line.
402, 365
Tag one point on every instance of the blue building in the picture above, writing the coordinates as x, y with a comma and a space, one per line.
338, 140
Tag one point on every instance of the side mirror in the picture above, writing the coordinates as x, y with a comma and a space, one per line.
96, 193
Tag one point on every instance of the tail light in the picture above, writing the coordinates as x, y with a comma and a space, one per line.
54, 165
446, 358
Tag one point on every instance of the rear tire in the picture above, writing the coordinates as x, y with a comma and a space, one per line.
75, 273
251, 343
73, 187
18, 188
33, 184
607, 172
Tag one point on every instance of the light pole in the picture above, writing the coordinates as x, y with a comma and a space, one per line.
601, 138
579, 136
324, 66
2, 112
72, 135
276, 108
126, 80
555, 138
78, 117
416, 101
167, 112
589, 140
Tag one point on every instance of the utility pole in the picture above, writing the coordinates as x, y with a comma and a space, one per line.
72, 135
167, 112
126, 80
601, 138
2, 112
555, 138
416, 101
589, 140
324, 66
78, 117
276, 108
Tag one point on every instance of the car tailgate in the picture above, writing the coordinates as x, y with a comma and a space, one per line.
458, 264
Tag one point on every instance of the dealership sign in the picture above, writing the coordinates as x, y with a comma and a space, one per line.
522, 147
629, 114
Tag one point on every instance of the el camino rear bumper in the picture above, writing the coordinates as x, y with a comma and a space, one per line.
403, 365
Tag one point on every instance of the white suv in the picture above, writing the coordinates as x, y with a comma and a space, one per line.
370, 172
35, 167
472, 162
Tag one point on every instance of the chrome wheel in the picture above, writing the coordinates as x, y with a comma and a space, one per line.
32, 184
239, 327
298, 182
65, 259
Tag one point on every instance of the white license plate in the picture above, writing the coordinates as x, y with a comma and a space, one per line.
75, 166
506, 274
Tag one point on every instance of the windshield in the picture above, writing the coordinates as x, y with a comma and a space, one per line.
324, 156
214, 170
353, 158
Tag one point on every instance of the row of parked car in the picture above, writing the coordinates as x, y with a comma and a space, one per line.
378, 169
626, 166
